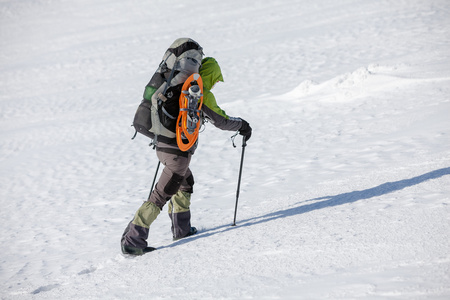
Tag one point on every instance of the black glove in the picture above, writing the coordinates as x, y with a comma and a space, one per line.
245, 130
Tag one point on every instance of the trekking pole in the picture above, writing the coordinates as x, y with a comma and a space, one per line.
154, 179
244, 143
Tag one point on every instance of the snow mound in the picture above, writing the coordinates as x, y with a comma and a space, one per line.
350, 86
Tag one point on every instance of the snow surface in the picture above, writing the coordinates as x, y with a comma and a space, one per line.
345, 191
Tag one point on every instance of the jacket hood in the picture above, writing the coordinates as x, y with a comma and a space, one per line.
210, 72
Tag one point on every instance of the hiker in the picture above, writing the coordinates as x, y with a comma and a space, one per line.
175, 184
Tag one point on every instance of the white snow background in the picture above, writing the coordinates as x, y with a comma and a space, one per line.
345, 189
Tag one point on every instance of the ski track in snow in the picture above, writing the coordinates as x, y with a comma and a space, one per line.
345, 188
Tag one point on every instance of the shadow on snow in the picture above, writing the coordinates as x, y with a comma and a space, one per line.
327, 201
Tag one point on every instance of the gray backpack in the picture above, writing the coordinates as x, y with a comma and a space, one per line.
157, 114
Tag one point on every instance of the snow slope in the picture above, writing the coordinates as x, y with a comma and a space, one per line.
345, 191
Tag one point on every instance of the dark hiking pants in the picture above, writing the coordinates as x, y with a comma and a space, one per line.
175, 185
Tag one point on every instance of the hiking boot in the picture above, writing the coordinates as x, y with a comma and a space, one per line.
136, 251
192, 231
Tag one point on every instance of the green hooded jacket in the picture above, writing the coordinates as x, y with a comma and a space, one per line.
211, 74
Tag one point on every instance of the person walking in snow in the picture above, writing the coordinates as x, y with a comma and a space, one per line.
175, 184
